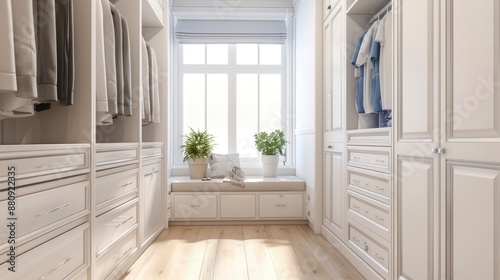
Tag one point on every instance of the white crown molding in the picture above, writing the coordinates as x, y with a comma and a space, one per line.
228, 13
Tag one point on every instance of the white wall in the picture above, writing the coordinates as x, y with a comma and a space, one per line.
308, 72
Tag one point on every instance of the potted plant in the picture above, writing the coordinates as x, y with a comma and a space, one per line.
198, 145
271, 146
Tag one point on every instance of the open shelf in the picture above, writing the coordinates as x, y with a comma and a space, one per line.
361, 7
152, 14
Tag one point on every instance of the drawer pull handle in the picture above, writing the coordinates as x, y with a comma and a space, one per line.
280, 205
355, 206
195, 206
53, 210
356, 181
356, 157
124, 221
169, 191
380, 160
56, 267
119, 259
379, 188
55, 164
355, 239
127, 184
366, 247
378, 218
330, 147
379, 256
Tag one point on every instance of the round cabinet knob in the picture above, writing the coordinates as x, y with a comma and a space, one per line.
366, 247
329, 7
330, 147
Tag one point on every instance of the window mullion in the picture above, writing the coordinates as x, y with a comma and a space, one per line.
232, 101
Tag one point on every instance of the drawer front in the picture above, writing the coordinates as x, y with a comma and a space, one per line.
151, 152
45, 208
377, 159
373, 184
58, 258
113, 187
114, 257
195, 206
374, 253
115, 157
370, 137
280, 206
32, 165
237, 206
310, 198
374, 215
113, 224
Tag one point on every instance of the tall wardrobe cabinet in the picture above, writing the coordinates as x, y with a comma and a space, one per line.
88, 198
447, 143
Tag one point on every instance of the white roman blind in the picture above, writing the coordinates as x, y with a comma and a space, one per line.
231, 31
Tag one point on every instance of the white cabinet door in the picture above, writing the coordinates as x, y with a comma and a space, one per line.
472, 138
474, 213
417, 188
151, 202
333, 216
333, 77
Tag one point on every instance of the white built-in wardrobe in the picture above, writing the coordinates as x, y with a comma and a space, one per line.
88, 199
420, 199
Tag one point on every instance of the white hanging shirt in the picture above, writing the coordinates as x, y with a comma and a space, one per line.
102, 115
384, 37
364, 59
22, 50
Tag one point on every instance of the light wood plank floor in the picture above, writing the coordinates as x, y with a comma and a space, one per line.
282, 252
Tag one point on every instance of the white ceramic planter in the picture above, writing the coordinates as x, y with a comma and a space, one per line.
270, 165
198, 168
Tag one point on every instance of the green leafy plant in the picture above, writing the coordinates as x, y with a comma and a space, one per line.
271, 143
198, 144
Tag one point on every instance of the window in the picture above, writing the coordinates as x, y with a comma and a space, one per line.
233, 91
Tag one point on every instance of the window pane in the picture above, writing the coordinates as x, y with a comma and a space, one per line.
247, 111
246, 54
194, 102
270, 102
270, 54
217, 110
217, 54
193, 53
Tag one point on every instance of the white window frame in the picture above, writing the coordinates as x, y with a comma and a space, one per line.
251, 167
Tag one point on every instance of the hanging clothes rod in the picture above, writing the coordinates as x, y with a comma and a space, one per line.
381, 13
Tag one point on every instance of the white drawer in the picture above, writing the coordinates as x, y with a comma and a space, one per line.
34, 164
58, 258
111, 225
310, 198
195, 206
237, 206
151, 152
310, 213
370, 137
374, 252
373, 158
115, 186
110, 155
114, 257
280, 205
372, 214
42, 209
372, 184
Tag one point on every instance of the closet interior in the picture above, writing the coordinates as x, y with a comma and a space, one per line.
93, 188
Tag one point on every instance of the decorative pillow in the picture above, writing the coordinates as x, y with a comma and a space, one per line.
221, 165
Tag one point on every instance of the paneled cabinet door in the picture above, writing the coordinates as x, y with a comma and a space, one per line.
333, 217
151, 202
333, 77
417, 168
472, 138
